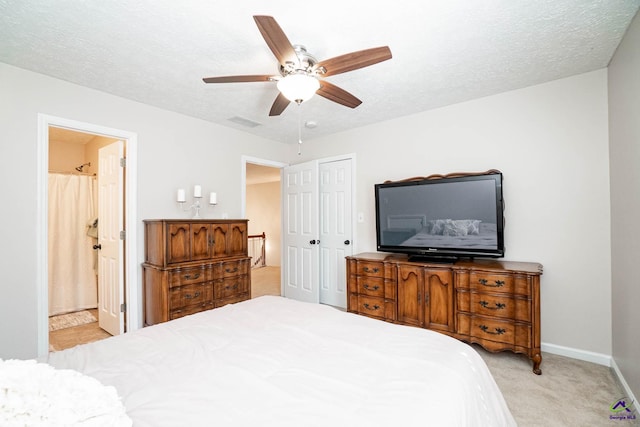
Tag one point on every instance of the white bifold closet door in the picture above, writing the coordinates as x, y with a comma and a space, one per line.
317, 218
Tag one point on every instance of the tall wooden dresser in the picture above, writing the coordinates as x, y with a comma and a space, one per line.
193, 265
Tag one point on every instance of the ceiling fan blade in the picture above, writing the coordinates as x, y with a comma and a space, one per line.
279, 105
354, 60
276, 39
239, 79
335, 94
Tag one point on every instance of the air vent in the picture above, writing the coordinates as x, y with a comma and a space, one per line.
244, 122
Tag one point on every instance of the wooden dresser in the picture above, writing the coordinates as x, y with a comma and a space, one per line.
495, 304
193, 265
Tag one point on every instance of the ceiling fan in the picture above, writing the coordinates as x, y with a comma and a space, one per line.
302, 75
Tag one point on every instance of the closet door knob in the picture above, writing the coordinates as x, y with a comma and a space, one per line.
347, 242
98, 246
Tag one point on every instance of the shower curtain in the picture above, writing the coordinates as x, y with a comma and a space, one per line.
72, 278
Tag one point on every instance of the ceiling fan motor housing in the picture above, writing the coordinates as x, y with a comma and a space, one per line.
306, 63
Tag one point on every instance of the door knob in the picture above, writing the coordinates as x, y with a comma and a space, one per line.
347, 242
98, 246
313, 242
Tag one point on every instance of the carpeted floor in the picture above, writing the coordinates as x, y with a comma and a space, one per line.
569, 392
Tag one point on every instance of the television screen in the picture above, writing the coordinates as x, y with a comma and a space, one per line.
450, 217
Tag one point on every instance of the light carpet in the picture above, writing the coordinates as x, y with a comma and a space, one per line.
569, 392
70, 320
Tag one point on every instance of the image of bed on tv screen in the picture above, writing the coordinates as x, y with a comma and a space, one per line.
417, 231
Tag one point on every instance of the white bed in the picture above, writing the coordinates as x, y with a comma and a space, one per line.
273, 361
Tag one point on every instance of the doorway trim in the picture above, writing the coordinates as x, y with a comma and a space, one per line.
132, 311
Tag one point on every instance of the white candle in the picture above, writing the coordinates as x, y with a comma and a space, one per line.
213, 198
181, 196
197, 191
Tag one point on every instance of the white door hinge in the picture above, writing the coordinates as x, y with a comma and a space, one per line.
123, 235
123, 162
123, 308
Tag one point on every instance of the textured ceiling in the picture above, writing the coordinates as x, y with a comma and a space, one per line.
444, 51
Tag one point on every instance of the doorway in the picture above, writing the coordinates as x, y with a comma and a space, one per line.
128, 272
262, 206
73, 297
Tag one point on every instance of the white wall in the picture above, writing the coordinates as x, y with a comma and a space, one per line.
551, 143
173, 151
624, 133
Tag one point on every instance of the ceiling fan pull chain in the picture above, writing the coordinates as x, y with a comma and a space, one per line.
299, 129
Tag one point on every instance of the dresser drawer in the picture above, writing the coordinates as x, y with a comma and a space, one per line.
485, 282
372, 286
500, 331
370, 269
187, 276
226, 288
232, 300
190, 295
487, 329
185, 311
371, 306
501, 306
232, 268
515, 283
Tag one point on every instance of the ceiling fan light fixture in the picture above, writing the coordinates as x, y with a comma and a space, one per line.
298, 87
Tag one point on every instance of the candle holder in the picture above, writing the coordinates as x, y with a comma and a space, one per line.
196, 205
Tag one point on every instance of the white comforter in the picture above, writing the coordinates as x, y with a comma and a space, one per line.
272, 361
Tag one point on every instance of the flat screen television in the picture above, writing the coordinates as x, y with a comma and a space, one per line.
443, 218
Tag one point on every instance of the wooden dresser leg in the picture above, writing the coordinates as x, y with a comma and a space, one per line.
537, 360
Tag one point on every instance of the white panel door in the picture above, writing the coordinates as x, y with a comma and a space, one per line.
335, 230
110, 223
300, 219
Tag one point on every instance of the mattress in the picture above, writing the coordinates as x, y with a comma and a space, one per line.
273, 361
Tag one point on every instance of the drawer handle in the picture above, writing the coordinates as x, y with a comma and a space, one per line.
498, 331
498, 305
368, 307
234, 287
485, 282
189, 296
371, 288
372, 270
231, 270
189, 276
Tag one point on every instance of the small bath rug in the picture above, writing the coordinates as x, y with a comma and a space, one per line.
63, 321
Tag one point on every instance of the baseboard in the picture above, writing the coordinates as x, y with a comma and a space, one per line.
627, 390
587, 356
